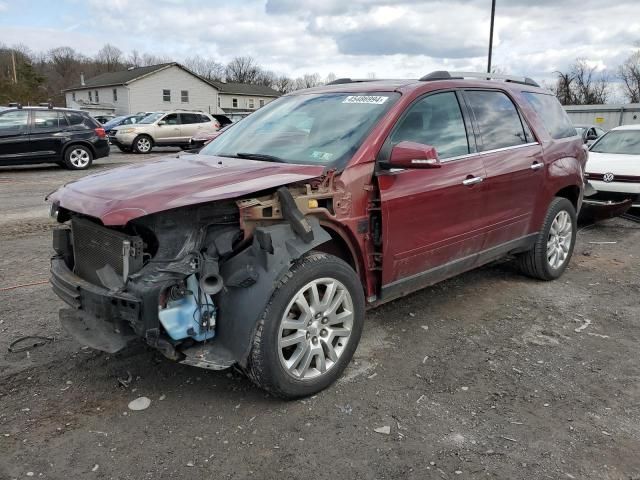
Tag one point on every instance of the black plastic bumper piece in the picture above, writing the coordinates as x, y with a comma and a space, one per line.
92, 299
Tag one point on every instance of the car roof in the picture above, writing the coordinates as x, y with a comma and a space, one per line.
55, 109
627, 127
433, 81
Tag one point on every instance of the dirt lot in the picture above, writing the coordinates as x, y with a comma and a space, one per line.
488, 375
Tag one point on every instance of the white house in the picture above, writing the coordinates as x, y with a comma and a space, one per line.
167, 86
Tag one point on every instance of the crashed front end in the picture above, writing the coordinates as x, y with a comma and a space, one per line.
191, 281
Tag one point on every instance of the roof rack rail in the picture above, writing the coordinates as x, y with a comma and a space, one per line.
445, 75
340, 81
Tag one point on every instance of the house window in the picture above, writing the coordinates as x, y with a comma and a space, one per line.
90, 96
261, 102
251, 104
97, 97
218, 100
115, 94
166, 95
184, 96
73, 96
234, 102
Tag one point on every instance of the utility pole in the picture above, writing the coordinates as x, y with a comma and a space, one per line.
13, 62
493, 16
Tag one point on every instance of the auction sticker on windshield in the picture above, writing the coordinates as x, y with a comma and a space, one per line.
374, 99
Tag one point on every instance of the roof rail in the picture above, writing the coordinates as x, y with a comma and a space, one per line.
445, 75
340, 81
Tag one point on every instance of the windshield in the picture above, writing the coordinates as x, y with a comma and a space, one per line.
151, 118
626, 142
114, 121
320, 129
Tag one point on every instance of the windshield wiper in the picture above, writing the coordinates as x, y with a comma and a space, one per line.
260, 156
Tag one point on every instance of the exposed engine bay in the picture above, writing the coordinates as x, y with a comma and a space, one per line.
191, 281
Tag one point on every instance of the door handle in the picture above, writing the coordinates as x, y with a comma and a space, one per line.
472, 181
536, 166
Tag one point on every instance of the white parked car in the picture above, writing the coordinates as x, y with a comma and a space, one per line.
613, 168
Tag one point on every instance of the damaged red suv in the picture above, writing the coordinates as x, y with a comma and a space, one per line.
265, 249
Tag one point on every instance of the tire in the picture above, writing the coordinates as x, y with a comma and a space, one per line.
540, 262
293, 368
142, 144
78, 157
124, 149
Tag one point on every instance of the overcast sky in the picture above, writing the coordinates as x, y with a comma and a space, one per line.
404, 38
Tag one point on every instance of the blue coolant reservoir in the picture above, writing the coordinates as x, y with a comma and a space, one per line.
182, 315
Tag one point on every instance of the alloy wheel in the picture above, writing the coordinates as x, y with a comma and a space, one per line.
315, 328
143, 145
79, 158
559, 240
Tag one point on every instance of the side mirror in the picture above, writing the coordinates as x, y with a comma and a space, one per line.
414, 155
592, 136
161, 122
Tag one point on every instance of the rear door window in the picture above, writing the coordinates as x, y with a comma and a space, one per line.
13, 122
47, 120
435, 120
189, 118
498, 120
555, 119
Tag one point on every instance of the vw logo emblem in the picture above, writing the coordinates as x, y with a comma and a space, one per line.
608, 177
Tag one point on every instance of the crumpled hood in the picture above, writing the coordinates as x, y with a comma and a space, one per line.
122, 194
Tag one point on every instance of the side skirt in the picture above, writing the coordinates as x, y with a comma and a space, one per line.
407, 285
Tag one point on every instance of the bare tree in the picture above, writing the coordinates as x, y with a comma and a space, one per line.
308, 80
64, 61
205, 67
242, 70
591, 88
283, 84
134, 59
109, 58
629, 73
149, 59
330, 77
563, 88
266, 78
581, 85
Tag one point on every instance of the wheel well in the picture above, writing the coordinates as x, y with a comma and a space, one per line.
338, 247
571, 193
83, 144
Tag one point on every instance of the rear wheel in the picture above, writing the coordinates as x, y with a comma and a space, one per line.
550, 255
310, 328
78, 157
142, 144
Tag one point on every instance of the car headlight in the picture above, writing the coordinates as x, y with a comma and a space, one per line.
53, 211
126, 130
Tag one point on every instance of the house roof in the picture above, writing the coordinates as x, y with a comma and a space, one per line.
124, 76
244, 89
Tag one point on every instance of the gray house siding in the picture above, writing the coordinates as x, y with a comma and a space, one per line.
146, 94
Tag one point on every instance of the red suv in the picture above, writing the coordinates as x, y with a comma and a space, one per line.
265, 249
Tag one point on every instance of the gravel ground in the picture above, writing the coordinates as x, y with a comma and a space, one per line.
487, 375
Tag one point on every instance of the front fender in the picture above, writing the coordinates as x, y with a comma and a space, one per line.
250, 279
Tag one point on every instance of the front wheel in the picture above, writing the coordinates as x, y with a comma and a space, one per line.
550, 255
310, 328
142, 144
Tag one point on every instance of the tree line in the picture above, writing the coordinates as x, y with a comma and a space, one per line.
32, 77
